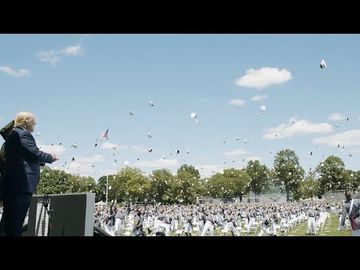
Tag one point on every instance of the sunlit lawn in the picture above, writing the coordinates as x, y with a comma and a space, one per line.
330, 228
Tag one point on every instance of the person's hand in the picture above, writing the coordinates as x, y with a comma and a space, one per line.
55, 158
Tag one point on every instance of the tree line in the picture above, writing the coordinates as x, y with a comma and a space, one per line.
161, 186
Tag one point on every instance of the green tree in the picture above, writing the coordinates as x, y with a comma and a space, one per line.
331, 175
129, 184
187, 186
53, 182
239, 182
288, 172
260, 178
351, 179
161, 184
100, 194
219, 186
308, 187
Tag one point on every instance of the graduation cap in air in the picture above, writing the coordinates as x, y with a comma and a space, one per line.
193, 115
105, 134
150, 150
177, 151
323, 64
5, 131
73, 159
151, 104
131, 113
74, 145
149, 135
263, 108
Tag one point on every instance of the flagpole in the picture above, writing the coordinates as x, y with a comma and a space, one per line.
107, 188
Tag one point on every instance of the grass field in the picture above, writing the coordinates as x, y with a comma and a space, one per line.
330, 229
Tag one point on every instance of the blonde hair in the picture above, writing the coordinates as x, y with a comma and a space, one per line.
24, 119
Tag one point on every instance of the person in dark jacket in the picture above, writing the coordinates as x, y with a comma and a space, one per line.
4, 132
351, 207
21, 173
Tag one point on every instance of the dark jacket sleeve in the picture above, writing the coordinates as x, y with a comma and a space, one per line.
32, 152
5, 131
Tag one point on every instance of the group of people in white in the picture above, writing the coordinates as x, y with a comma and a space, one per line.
231, 219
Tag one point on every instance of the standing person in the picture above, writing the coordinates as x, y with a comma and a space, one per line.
4, 132
22, 172
351, 207
138, 224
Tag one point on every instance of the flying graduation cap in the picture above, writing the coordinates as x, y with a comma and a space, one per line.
323, 64
74, 145
193, 115
105, 134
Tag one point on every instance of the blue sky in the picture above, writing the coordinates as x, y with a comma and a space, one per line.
79, 85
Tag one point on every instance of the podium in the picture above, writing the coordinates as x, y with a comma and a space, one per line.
61, 215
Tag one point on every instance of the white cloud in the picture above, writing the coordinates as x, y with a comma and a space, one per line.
53, 56
237, 102
92, 159
347, 138
264, 77
336, 117
111, 171
139, 149
158, 164
296, 128
209, 170
111, 146
236, 152
57, 150
16, 73
259, 97
72, 50
253, 158
83, 165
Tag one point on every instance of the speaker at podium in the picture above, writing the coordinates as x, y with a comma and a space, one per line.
61, 215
